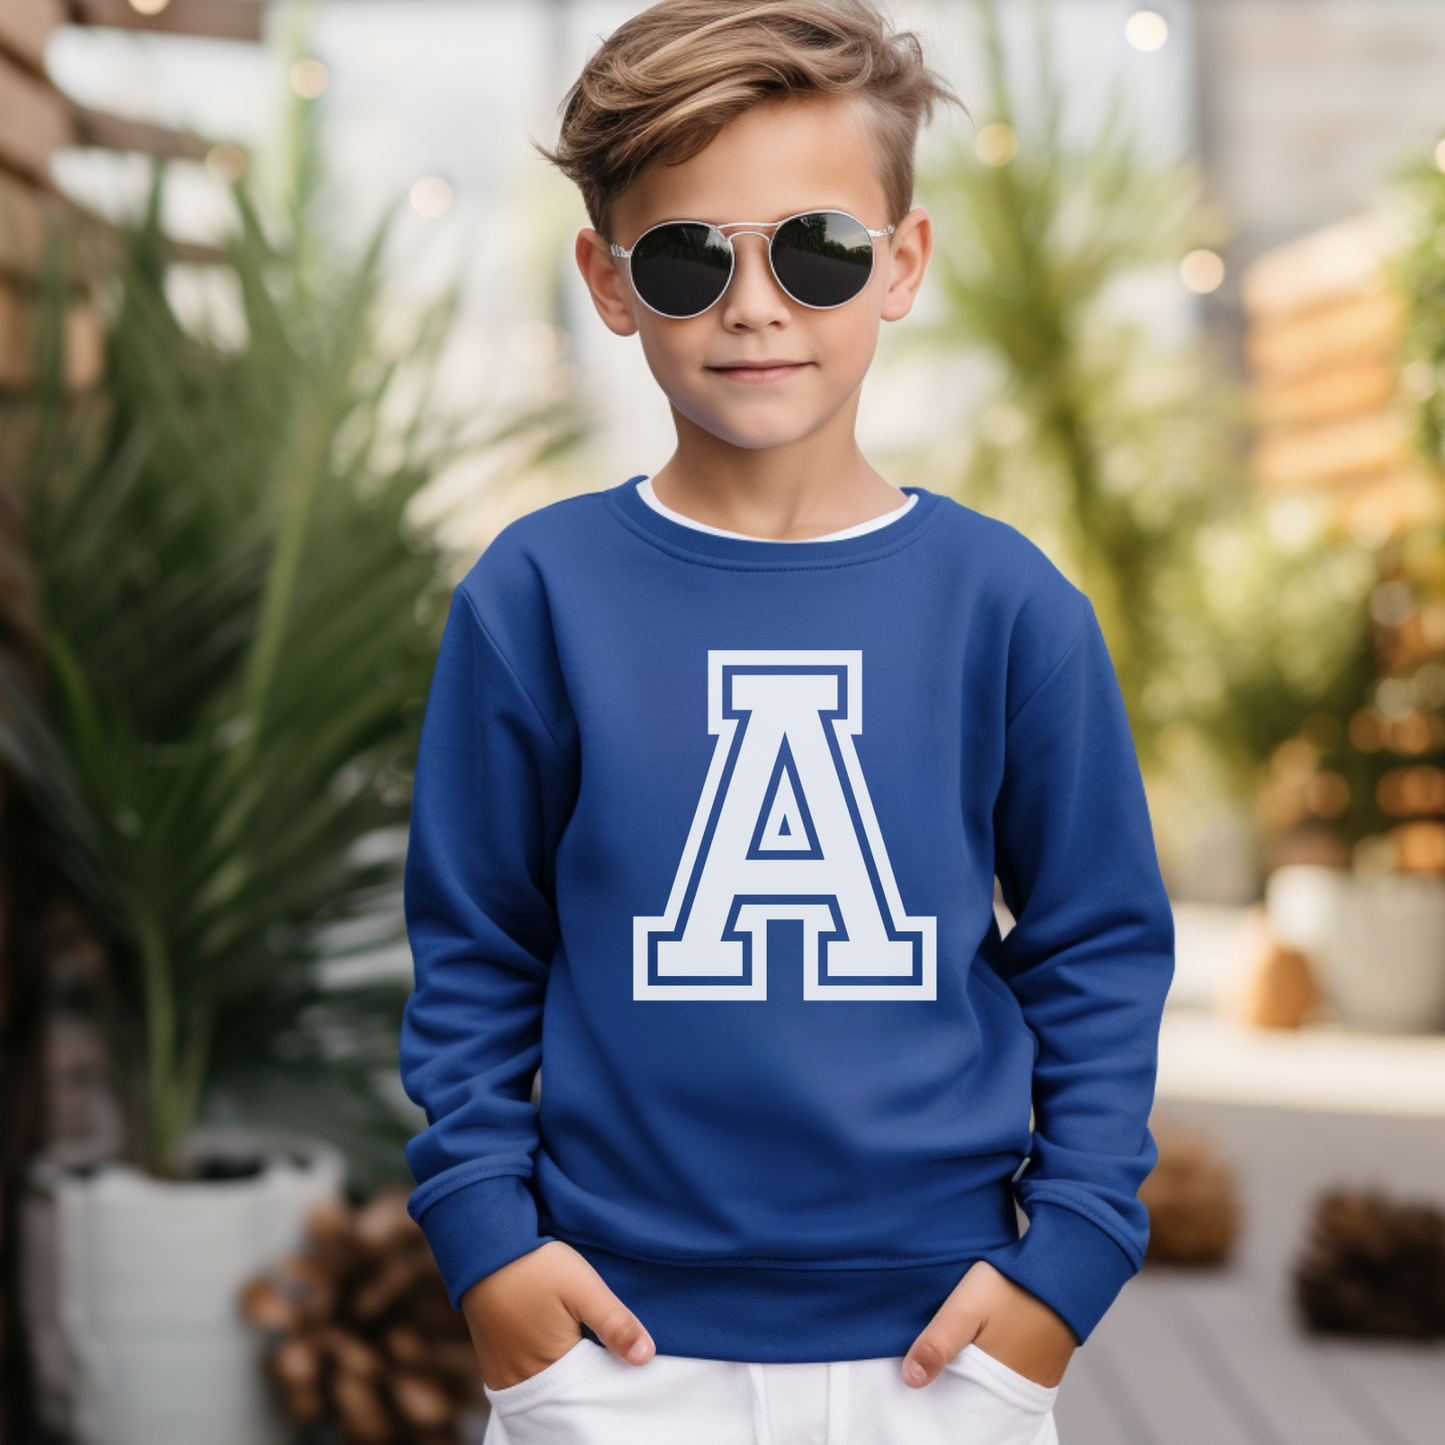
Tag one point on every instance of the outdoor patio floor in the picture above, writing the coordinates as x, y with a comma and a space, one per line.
1216, 1357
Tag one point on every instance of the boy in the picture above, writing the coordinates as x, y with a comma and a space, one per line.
717, 772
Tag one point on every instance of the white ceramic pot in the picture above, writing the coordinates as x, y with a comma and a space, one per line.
1382, 964
131, 1288
1377, 945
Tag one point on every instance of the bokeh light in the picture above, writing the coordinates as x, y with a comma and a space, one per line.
1418, 381
1146, 30
226, 162
309, 79
1202, 272
431, 196
536, 341
996, 144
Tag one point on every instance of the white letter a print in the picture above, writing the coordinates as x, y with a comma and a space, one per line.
784, 830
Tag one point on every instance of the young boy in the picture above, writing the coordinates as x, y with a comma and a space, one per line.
717, 772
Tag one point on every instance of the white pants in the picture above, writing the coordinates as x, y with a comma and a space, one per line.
592, 1397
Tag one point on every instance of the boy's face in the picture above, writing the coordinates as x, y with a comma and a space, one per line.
773, 161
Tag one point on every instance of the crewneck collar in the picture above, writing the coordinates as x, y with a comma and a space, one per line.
749, 554
644, 490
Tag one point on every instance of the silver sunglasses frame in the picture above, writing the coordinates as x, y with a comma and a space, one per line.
753, 228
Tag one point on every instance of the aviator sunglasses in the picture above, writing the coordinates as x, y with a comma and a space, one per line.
821, 259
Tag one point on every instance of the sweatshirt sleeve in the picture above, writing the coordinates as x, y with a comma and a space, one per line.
494, 788
1090, 960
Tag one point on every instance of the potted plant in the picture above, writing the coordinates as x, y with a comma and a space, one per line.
240, 628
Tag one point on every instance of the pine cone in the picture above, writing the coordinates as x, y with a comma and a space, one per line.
366, 1341
1191, 1198
1373, 1266
295, 1363
361, 1412
421, 1401
265, 1303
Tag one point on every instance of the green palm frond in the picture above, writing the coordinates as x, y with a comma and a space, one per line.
1031, 248
1122, 454
241, 626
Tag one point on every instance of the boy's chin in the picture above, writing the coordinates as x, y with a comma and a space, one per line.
755, 433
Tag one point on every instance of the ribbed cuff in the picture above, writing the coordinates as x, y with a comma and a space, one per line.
475, 1230
1068, 1262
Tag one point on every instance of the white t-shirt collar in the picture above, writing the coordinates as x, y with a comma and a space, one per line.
644, 490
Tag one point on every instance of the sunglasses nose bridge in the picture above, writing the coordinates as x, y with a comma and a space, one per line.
764, 258
750, 228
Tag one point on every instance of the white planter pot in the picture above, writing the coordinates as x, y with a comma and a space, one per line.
1377, 945
131, 1288
1383, 963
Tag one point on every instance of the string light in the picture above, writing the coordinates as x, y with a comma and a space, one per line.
996, 144
309, 79
1202, 272
431, 197
1146, 30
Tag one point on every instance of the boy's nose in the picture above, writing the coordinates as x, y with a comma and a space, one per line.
753, 297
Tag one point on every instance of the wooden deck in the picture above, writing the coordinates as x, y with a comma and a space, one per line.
1217, 1357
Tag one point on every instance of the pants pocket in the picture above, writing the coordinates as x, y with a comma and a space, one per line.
998, 1405
974, 1363
598, 1398
974, 1400
544, 1385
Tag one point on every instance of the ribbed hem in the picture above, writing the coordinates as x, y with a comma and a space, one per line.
766, 1315
1075, 1267
475, 1230
783, 1311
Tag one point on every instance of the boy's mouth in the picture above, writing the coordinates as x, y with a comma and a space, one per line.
759, 370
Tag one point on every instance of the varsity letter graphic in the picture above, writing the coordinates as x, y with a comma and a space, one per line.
784, 829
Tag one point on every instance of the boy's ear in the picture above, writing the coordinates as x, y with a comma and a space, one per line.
911, 248
611, 294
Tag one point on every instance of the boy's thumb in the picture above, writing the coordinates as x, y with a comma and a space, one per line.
614, 1324
954, 1324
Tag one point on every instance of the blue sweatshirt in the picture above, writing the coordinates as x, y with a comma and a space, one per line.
706, 827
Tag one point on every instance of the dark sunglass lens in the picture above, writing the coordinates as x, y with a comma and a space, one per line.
681, 269
823, 259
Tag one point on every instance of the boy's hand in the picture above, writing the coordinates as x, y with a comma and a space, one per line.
1004, 1320
527, 1315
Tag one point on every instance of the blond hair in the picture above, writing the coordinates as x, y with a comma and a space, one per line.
665, 82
